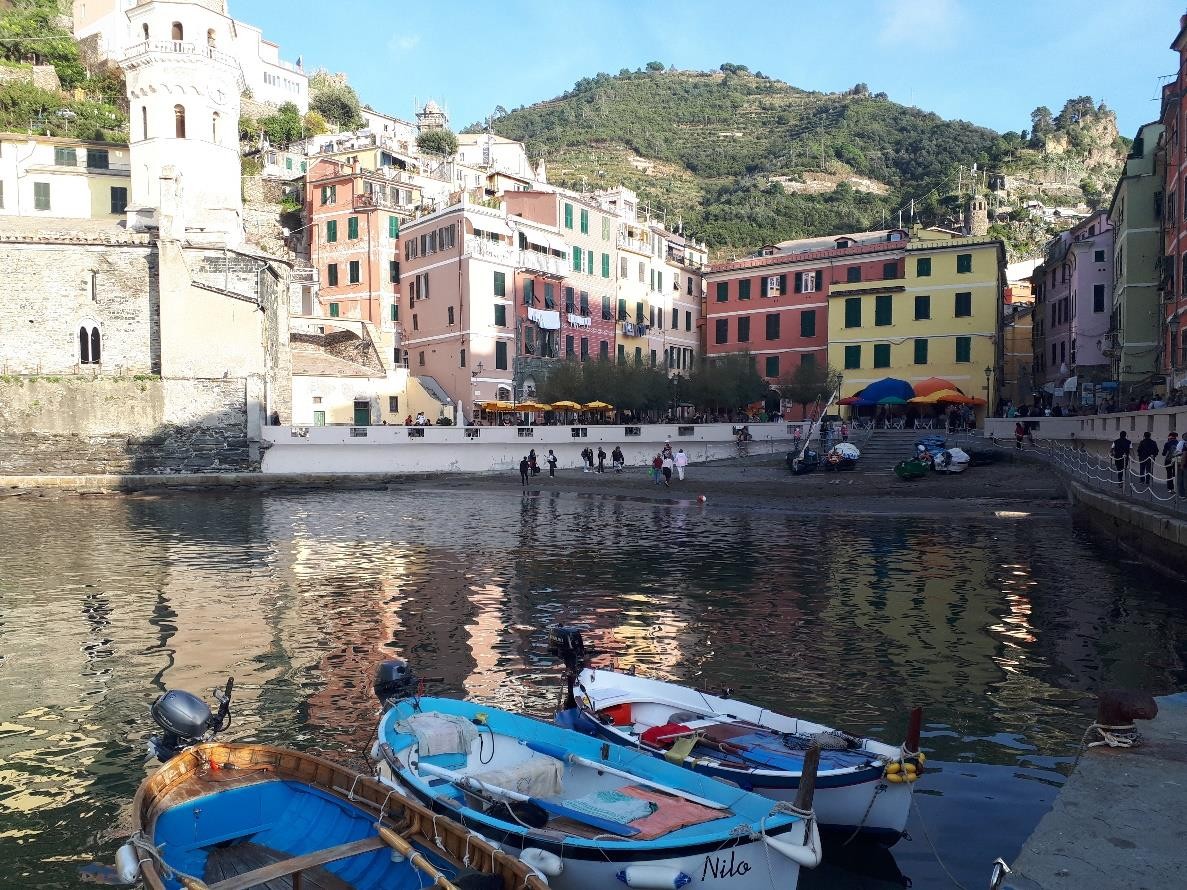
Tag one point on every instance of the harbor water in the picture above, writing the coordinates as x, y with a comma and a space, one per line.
1002, 627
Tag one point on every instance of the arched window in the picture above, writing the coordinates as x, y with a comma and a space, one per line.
210, 40
214, 126
178, 31
145, 27
96, 350
179, 121
84, 347
144, 121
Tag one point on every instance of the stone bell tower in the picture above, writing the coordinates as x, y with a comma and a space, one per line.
976, 218
183, 95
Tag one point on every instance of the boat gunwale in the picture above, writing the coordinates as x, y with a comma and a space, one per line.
408, 815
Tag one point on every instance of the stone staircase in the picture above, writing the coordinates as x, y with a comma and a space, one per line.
882, 449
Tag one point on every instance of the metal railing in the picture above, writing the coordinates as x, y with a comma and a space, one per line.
1129, 483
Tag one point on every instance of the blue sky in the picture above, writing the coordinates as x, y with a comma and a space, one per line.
987, 62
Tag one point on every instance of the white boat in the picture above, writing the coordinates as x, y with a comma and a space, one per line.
586, 814
863, 787
951, 460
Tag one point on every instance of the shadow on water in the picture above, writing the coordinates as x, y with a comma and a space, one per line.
1001, 629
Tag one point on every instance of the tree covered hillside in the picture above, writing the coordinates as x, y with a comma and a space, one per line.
744, 159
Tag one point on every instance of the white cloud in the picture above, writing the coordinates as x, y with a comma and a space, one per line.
402, 44
918, 23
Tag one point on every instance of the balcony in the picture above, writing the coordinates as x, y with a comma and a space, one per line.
140, 53
371, 201
500, 252
635, 244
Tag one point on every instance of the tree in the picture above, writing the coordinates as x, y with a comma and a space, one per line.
285, 127
808, 383
437, 142
1042, 124
315, 124
655, 66
29, 30
335, 100
1074, 111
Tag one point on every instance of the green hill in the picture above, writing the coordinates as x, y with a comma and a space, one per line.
742, 159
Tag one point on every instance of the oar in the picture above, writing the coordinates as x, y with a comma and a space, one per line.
568, 757
415, 858
478, 786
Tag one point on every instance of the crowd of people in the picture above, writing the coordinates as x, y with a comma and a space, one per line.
1174, 460
1105, 406
662, 467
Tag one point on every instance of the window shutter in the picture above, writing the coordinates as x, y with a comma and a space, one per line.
764, 286
783, 283
799, 282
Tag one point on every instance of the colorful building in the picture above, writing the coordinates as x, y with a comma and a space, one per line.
1171, 174
676, 336
1073, 309
935, 311
776, 305
1139, 296
354, 229
63, 178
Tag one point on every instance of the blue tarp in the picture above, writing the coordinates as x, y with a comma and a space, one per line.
887, 386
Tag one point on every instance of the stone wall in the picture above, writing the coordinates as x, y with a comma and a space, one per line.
50, 290
42, 76
76, 425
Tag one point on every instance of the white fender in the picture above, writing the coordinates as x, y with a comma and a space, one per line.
806, 856
653, 877
542, 861
127, 864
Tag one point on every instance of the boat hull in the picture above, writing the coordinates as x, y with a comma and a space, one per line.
847, 802
719, 857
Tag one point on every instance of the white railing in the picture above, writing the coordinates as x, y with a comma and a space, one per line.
512, 256
183, 48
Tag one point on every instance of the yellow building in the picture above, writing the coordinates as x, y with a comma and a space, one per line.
49, 176
941, 320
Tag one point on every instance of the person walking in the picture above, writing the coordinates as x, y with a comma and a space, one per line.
1019, 434
681, 461
524, 469
657, 464
532, 463
551, 461
617, 459
1147, 451
601, 459
1169, 448
586, 459
666, 466
1120, 453
844, 431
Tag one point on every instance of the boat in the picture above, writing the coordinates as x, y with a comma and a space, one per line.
803, 462
915, 468
952, 460
863, 786
585, 813
222, 816
842, 456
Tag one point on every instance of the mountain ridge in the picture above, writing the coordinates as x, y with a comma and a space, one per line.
742, 159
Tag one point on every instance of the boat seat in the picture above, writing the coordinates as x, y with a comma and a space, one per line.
293, 864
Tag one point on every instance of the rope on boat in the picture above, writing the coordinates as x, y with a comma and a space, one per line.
152, 853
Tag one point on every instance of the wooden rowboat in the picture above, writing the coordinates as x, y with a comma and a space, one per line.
237, 816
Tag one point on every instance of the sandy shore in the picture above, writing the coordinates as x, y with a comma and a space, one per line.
765, 483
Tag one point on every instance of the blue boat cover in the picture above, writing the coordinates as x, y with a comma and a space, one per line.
765, 751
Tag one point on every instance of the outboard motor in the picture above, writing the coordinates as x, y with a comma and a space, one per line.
186, 720
394, 680
565, 642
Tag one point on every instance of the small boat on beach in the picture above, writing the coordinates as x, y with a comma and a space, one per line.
221, 816
952, 460
863, 786
802, 462
842, 456
915, 468
584, 813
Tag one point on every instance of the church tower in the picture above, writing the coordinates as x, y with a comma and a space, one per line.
183, 95
976, 220
432, 117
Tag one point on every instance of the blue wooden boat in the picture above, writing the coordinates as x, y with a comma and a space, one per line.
588, 814
221, 816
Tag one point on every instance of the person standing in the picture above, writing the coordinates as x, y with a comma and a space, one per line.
844, 431
617, 459
1169, 448
1120, 453
551, 461
681, 461
666, 466
657, 464
532, 464
601, 459
1147, 451
524, 469
1019, 434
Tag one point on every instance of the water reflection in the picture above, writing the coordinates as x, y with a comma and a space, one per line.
1001, 628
